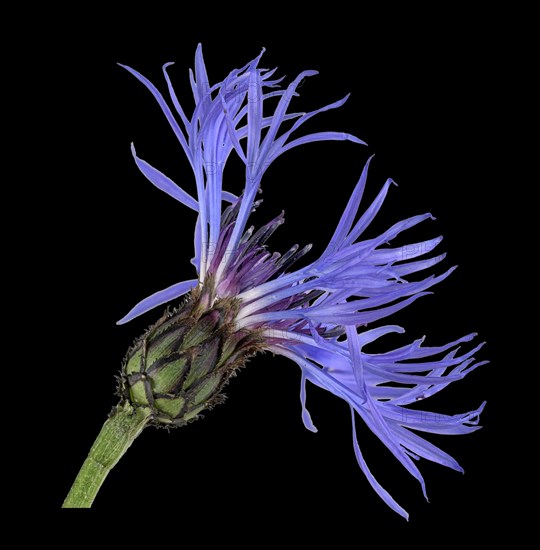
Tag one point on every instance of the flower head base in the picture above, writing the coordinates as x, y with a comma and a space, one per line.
180, 365
246, 299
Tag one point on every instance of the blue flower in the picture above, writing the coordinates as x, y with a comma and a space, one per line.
316, 316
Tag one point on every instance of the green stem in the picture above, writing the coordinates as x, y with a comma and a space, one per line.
114, 439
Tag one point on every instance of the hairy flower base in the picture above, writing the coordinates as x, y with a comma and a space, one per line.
180, 365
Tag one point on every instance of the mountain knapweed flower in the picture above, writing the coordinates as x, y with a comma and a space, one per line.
246, 299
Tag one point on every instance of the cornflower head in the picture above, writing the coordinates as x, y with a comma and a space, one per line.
244, 299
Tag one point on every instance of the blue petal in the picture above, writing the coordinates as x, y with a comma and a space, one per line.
371, 244
334, 319
255, 115
404, 253
417, 351
414, 267
305, 117
369, 415
165, 108
373, 411
280, 112
174, 99
347, 218
369, 214
197, 245
410, 367
159, 298
429, 379
228, 197
423, 391
383, 493
321, 136
424, 448
161, 181
233, 134
306, 417
364, 317
426, 421
203, 84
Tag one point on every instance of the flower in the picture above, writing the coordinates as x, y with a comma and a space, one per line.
314, 315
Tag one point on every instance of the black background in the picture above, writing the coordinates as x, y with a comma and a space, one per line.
426, 97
